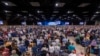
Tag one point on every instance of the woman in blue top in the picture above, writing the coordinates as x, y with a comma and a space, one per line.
71, 47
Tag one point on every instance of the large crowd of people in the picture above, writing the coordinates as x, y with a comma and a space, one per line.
48, 40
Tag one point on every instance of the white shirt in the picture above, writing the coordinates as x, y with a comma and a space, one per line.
44, 49
64, 40
53, 43
57, 48
51, 49
72, 54
9, 34
57, 41
38, 41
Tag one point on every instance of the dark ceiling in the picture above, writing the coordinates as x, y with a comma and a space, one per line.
37, 10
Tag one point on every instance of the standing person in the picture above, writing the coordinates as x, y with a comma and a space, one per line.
27, 54
1, 41
99, 50
14, 53
67, 44
93, 44
30, 50
26, 43
57, 50
64, 40
71, 47
51, 50
35, 50
44, 51
98, 43
6, 52
88, 51
22, 49
64, 53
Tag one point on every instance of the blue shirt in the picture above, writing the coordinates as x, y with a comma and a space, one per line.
22, 49
71, 48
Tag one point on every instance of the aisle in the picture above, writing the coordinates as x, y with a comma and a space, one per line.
79, 48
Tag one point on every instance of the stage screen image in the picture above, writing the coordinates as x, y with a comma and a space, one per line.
81, 23
1, 22
58, 22
39, 23
23, 23
52, 23
66, 23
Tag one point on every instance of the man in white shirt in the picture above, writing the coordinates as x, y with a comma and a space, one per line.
57, 50
53, 43
57, 41
51, 50
72, 54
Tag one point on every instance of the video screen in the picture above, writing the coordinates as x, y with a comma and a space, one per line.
81, 23
1, 22
66, 23
52, 23
23, 23
39, 23
58, 22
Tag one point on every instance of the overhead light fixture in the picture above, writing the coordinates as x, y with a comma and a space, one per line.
39, 11
56, 4
18, 15
35, 4
84, 4
7, 3
74, 15
78, 18
94, 15
6, 11
92, 18
69, 12
97, 12
30, 15
59, 4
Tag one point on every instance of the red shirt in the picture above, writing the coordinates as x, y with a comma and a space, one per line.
5, 52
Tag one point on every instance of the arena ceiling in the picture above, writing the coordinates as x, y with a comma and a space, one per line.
38, 10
